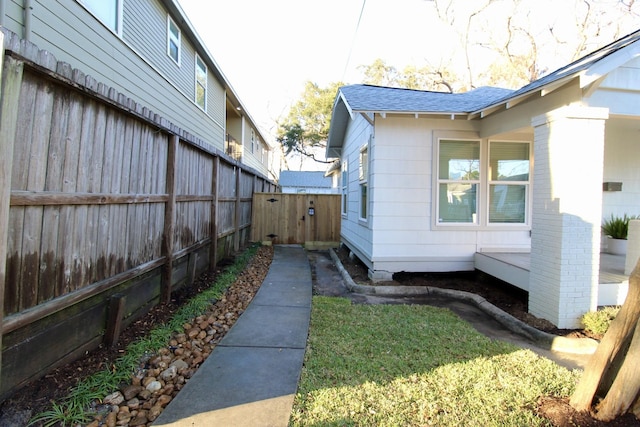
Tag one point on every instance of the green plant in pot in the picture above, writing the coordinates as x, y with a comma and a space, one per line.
617, 228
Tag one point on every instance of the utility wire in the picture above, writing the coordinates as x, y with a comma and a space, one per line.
353, 41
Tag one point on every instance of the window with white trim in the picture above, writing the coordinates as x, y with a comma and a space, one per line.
509, 173
253, 140
174, 38
363, 175
109, 12
344, 179
458, 181
482, 182
201, 83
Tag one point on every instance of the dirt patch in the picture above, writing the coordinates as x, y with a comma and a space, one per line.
501, 294
561, 414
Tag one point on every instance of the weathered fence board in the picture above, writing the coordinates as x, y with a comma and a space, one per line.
101, 198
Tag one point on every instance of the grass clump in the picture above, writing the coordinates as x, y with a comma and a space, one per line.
390, 365
75, 408
597, 322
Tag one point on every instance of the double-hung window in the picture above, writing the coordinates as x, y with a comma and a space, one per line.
173, 40
458, 181
508, 182
109, 12
201, 83
483, 183
344, 179
363, 173
253, 140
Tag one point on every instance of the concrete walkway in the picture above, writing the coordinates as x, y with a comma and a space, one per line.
251, 377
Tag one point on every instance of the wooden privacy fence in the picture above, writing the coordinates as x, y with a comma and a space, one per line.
309, 219
105, 208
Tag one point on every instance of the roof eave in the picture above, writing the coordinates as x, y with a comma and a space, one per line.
511, 101
340, 115
417, 114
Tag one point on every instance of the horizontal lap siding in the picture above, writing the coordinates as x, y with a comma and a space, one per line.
145, 28
78, 38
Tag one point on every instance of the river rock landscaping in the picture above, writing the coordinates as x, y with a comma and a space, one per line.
162, 374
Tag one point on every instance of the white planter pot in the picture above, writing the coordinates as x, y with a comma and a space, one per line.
617, 246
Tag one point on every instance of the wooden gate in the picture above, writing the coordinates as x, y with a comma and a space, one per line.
309, 219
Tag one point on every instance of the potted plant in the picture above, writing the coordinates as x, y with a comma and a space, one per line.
616, 229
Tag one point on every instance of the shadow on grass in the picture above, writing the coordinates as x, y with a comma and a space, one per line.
416, 365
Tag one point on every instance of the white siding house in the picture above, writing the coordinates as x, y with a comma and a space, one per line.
308, 182
149, 51
431, 179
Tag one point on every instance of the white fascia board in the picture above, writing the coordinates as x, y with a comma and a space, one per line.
608, 64
342, 98
415, 114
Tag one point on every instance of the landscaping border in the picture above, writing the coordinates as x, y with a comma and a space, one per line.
550, 341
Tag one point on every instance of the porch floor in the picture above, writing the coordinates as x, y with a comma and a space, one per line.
611, 266
514, 268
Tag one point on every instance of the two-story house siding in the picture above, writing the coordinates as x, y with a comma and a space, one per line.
125, 44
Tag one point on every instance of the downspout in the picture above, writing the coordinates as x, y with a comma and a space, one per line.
27, 20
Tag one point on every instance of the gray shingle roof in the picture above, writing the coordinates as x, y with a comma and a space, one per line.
304, 179
381, 99
377, 99
367, 98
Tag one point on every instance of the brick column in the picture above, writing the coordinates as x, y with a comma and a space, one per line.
567, 213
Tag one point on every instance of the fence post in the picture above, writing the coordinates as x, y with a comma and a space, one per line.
11, 71
213, 251
169, 220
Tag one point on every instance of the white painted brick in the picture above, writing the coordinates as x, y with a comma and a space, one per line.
562, 267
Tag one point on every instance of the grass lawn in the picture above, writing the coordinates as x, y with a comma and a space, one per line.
394, 365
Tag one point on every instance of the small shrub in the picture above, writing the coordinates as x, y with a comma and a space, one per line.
597, 322
617, 227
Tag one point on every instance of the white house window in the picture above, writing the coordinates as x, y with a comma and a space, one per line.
173, 40
509, 173
483, 182
363, 175
344, 178
458, 181
253, 140
201, 83
109, 12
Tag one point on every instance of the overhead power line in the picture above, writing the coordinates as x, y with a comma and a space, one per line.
353, 41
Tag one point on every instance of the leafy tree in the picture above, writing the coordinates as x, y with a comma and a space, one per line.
380, 74
306, 128
440, 79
